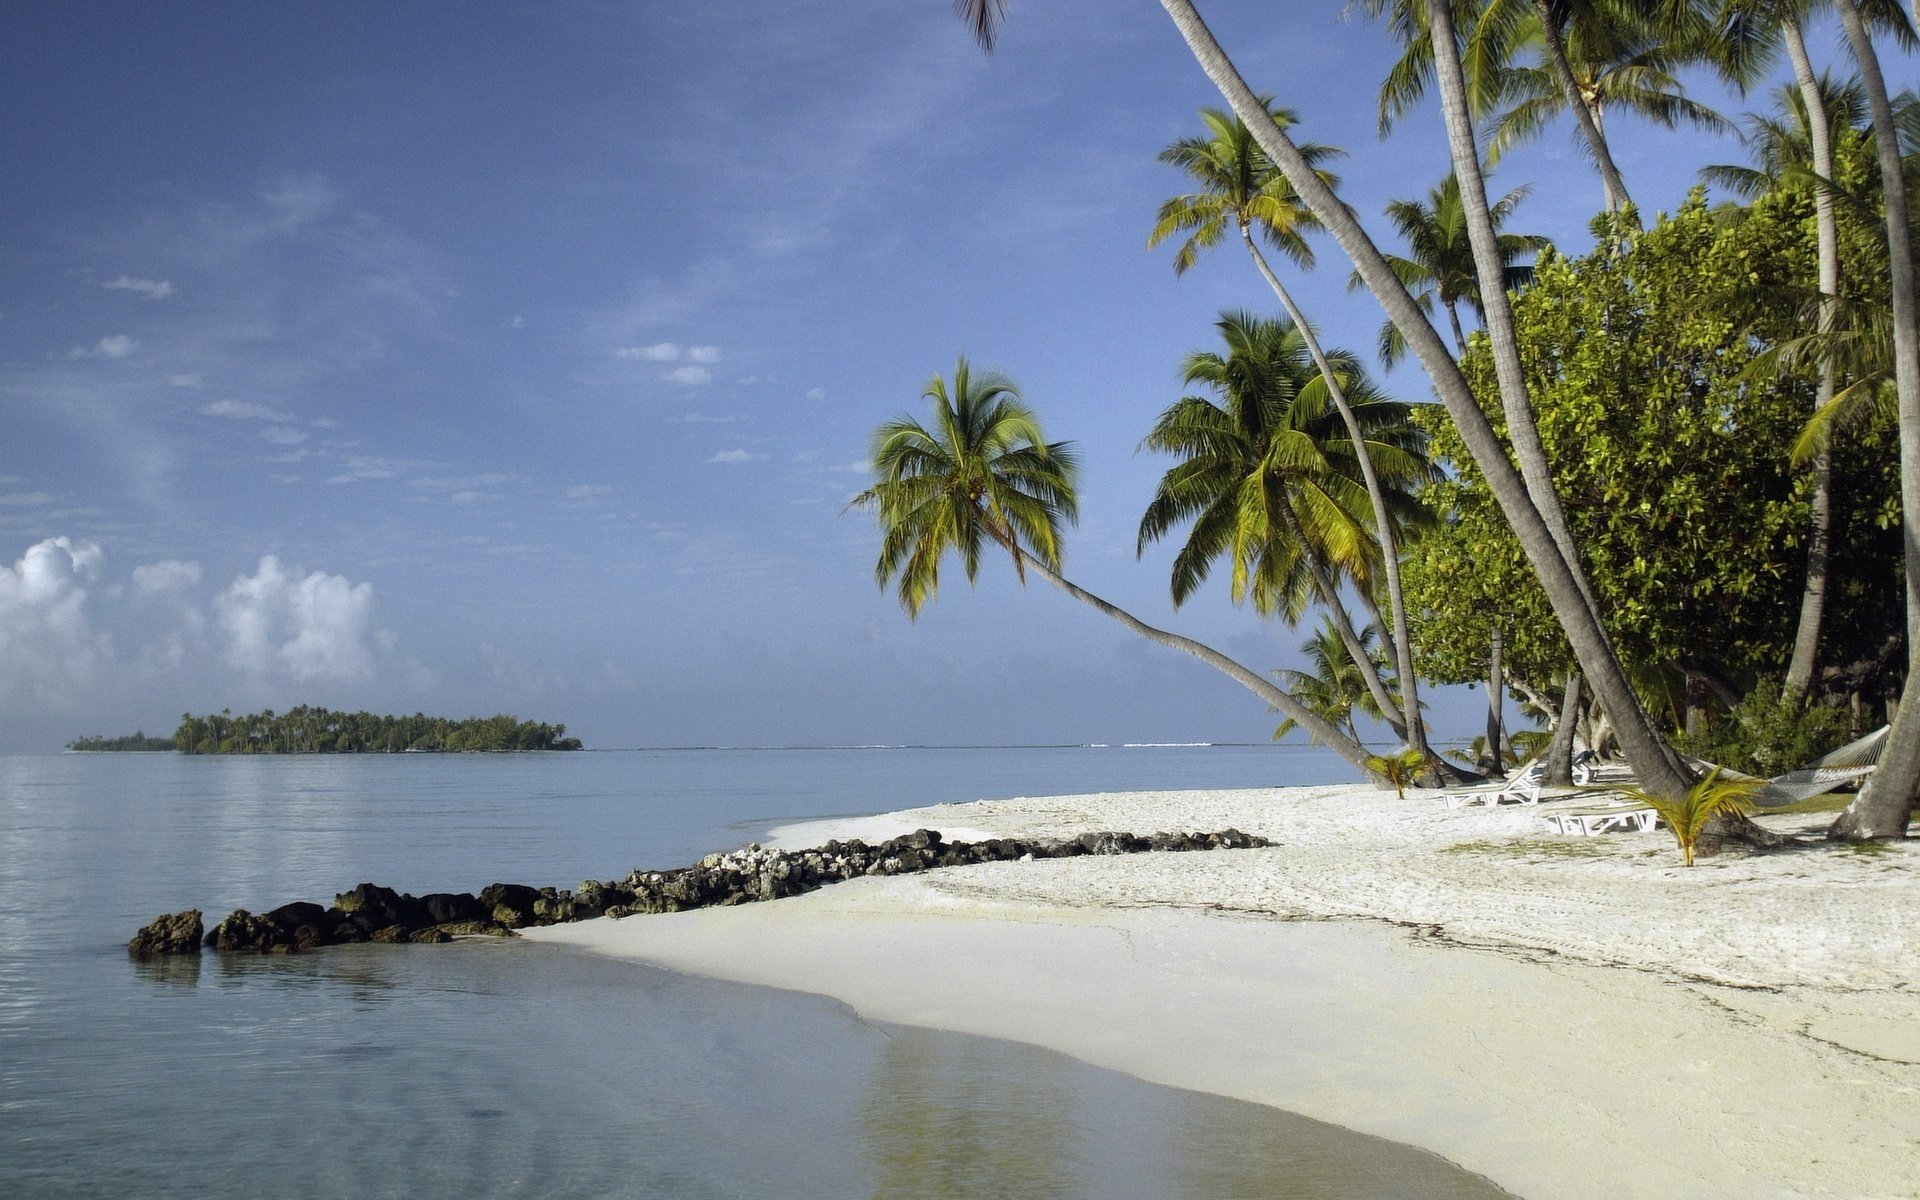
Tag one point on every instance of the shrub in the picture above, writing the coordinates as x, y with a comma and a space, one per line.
1765, 735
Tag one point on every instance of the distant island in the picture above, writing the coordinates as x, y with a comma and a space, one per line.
134, 741
307, 730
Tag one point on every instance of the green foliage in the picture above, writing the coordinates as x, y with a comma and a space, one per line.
1335, 688
1400, 768
1766, 734
1671, 459
1267, 478
310, 730
983, 472
135, 741
1687, 815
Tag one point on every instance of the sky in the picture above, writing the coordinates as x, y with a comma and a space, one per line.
522, 357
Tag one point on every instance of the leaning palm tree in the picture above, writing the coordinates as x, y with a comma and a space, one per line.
1241, 189
1525, 495
981, 478
1439, 266
1266, 478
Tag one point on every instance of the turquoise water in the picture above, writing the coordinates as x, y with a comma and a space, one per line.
506, 1069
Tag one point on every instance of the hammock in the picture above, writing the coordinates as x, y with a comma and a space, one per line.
1834, 769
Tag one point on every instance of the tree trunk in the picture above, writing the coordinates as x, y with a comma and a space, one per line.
1813, 596
1496, 695
1402, 649
1560, 749
1616, 188
1884, 805
1322, 730
1564, 587
1459, 333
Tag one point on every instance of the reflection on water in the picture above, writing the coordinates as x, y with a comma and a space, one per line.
950, 1118
494, 1068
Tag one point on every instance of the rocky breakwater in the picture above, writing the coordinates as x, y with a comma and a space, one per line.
370, 913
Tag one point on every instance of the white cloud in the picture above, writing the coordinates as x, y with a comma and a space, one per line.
314, 626
49, 651
117, 345
467, 497
658, 352
735, 456
695, 418
586, 491
151, 289
168, 575
245, 410
363, 466
690, 375
281, 435
817, 393
703, 354
190, 379
26, 499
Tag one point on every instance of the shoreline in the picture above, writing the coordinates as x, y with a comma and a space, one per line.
1566, 1016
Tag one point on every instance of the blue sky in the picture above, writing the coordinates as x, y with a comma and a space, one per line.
522, 357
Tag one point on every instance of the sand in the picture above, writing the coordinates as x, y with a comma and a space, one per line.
1569, 1017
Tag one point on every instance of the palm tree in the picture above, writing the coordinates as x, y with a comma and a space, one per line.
1527, 500
982, 476
1538, 524
1594, 57
1266, 478
1787, 149
1439, 261
1240, 187
1886, 803
1335, 687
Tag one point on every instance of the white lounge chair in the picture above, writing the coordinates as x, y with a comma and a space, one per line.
1521, 787
1607, 818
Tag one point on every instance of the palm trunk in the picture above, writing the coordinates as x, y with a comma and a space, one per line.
1616, 188
1319, 727
1559, 771
1813, 596
1564, 588
1459, 334
1496, 693
1885, 804
1415, 732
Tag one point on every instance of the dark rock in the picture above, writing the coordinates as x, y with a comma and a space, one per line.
176, 933
244, 932
373, 907
511, 904
444, 907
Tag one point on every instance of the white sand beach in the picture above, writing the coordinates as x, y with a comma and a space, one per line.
1570, 1017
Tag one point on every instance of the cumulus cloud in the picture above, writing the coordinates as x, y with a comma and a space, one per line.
703, 354
165, 577
586, 491
49, 650
314, 626
117, 345
281, 435
690, 375
817, 393
245, 410
150, 289
735, 456
658, 352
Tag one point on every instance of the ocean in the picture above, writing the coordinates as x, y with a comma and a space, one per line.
503, 1069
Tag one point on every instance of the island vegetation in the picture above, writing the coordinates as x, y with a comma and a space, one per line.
136, 741
311, 730
1670, 494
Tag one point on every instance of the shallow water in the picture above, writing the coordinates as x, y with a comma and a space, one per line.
506, 1069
